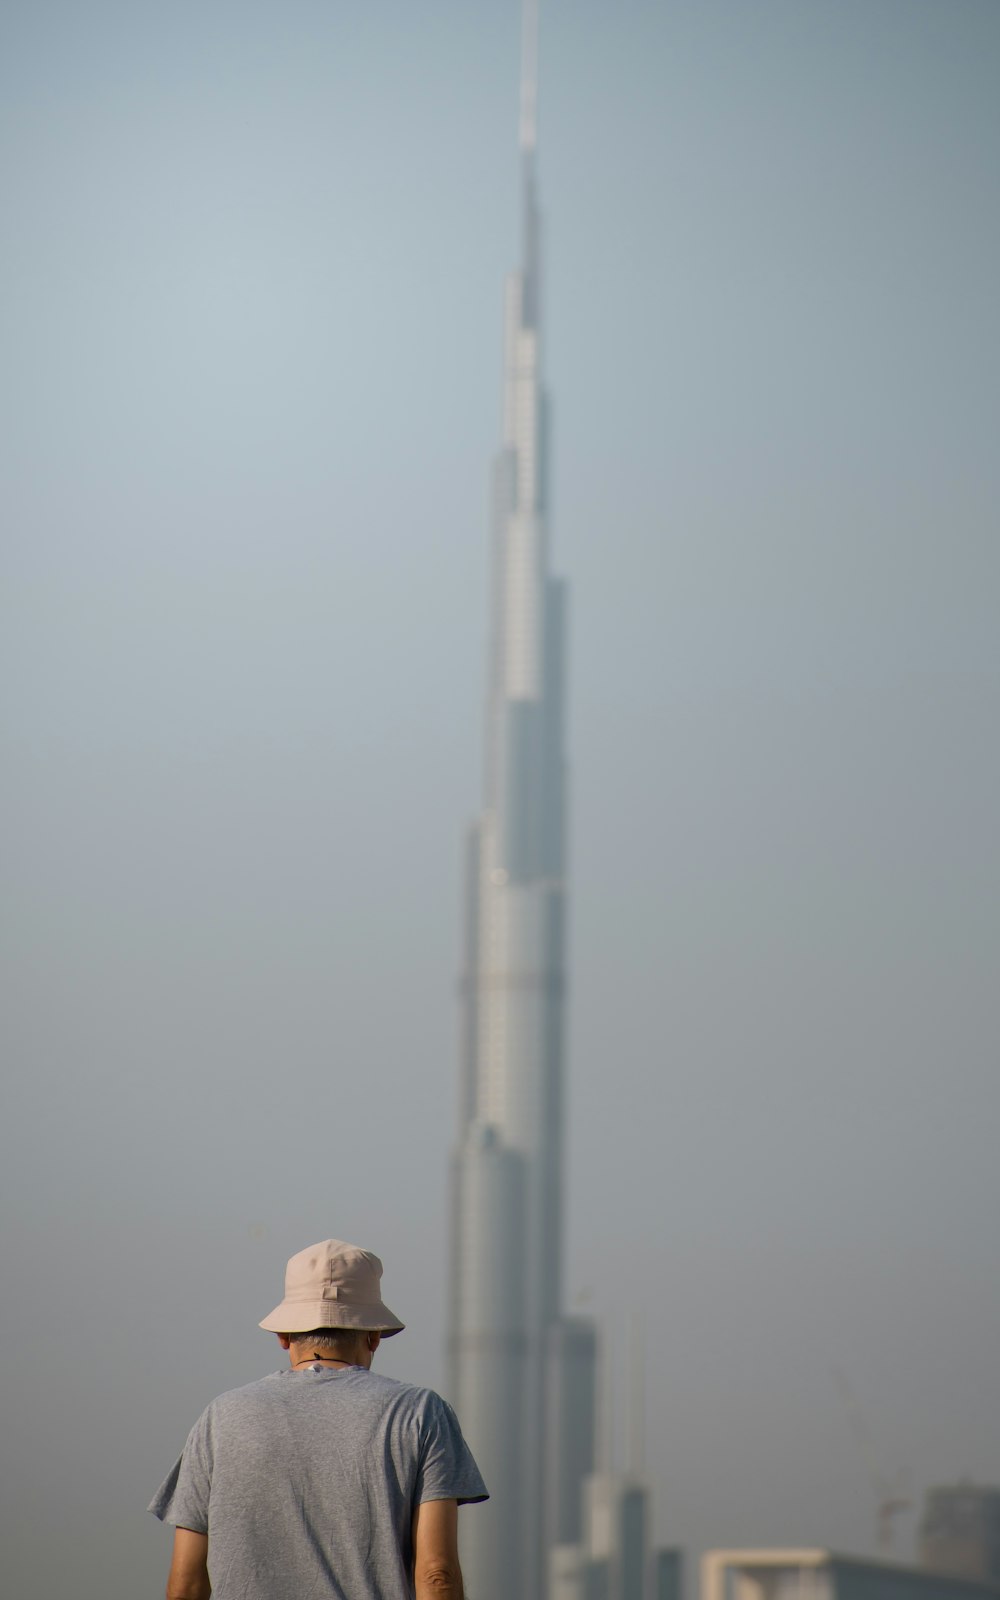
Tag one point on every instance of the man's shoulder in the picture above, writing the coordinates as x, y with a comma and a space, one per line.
425, 1406
247, 1394
413, 1394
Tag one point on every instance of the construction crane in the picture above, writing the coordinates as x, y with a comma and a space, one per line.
891, 1500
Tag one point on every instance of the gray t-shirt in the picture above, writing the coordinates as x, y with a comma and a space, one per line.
306, 1483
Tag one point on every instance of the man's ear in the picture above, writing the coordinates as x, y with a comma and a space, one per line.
374, 1340
284, 1340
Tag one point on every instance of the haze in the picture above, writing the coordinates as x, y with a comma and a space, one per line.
253, 260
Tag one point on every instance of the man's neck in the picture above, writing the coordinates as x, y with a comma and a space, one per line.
298, 1362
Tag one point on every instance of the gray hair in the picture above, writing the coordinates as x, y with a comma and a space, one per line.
334, 1340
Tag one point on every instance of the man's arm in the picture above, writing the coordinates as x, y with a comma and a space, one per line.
436, 1572
188, 1578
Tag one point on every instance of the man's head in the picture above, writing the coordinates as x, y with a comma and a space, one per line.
333, 1290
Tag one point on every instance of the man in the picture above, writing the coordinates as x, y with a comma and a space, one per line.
325, 1480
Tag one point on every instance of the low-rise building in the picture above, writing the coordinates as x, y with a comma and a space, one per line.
823, 1575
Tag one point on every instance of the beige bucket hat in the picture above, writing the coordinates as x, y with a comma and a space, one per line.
333, 1285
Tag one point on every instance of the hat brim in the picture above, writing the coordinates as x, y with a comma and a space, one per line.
304, 1316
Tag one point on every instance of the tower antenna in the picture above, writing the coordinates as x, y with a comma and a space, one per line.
529, 76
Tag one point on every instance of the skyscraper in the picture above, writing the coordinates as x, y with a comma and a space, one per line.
520, 1375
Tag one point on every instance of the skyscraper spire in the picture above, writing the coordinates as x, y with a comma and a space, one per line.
529, 76
530, 225
518, 1372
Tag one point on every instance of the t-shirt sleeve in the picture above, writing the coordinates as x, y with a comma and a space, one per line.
447, 1468
182, 1498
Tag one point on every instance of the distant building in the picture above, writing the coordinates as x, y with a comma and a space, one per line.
618, 1532
960, 1532
519, 1373
570, 1427
822, 1575
613, 1560
668, 1575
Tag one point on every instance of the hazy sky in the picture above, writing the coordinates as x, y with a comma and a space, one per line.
253, 259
